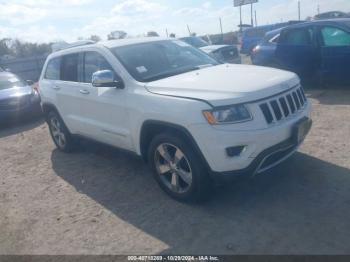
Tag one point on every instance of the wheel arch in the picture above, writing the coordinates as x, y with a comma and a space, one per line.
151, 128
49, 107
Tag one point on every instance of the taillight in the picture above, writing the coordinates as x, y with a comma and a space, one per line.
255, 50
35, 87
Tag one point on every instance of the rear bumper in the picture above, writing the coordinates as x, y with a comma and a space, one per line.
32, 109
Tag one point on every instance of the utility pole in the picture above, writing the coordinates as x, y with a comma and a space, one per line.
299, 10
251, 14
240, 18
189, 31
166, 31
318, 9
222, 32
256, 20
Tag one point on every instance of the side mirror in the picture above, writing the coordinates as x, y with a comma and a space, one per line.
30, 82
106, 78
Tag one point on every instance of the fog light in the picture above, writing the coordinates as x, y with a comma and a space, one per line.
234, 151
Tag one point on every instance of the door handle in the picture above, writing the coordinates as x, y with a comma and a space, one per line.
56, 87
84, 91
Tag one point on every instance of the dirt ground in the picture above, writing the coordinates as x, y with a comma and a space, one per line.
103, 201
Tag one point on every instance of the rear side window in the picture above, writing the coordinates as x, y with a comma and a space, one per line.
94, 62
53, 69
69, 68
275, 39
300, 36
333, 36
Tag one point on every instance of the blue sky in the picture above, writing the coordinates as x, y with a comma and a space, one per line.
47, 20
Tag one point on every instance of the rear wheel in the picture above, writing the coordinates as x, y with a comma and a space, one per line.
59, 133
177, 168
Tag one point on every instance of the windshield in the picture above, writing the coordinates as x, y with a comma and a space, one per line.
152, 61
11, 81
195, 41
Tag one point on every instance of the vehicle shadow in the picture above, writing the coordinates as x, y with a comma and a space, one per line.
301, 207
16, 127
330, 96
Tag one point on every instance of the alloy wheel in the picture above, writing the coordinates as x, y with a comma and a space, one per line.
57, 132
173, 168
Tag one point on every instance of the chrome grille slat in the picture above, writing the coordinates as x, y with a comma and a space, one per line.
283, 106
296, 100
272, 112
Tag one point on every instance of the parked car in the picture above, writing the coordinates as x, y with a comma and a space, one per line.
192, 119
222, 53
317, 51
332, 15
252, 36
17, 98
264, 53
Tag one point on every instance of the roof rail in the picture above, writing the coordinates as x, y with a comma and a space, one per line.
75, 44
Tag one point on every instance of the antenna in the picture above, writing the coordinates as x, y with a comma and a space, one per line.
189, 31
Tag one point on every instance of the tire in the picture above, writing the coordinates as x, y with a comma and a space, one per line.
178, 169
59, 133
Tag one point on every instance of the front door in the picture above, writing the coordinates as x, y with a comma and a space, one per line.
103, 109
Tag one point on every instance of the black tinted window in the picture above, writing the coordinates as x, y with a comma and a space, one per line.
69, 68
53, 69
301, 36
333, 36
94, 62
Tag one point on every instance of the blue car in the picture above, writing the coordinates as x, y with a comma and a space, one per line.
17, 98
264, 53
317, 51
252, 36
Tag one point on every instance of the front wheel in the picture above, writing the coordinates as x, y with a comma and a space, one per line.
177, 168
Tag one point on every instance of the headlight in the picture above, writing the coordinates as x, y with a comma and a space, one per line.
227, 115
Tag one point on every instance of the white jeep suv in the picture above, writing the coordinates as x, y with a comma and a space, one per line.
193, 120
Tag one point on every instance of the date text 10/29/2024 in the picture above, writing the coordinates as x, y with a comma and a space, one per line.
173, 258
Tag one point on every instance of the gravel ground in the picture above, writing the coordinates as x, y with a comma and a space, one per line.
103, 201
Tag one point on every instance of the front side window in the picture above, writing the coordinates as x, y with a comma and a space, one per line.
333, 36
69, 68
94, 62
300, 36
275, 39
53, 69
160, 59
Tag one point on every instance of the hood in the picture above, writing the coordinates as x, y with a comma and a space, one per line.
226, 84
15, 92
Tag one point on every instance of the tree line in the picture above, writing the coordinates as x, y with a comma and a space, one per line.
19, 49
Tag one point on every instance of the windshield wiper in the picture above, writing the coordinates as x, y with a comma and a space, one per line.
204, 66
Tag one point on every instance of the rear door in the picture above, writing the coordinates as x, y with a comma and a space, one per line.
335, 53
67, 91
297, 51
